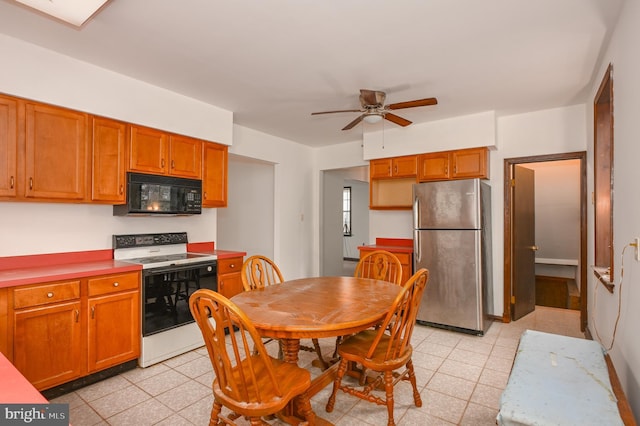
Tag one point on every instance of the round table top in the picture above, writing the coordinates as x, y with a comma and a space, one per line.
317, 307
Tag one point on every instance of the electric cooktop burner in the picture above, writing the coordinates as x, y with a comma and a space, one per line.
156, 250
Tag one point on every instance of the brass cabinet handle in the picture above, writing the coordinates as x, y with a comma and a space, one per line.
77, 312
116, 284
11, 182
121, 189
162, 162
534, 248
173, 164
93, 312
30, 183
50, 294
205, 195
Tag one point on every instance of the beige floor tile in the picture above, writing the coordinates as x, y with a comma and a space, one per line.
115, 402
147, 413
478, 415
452, 386
460, 378
183, 395
162, 382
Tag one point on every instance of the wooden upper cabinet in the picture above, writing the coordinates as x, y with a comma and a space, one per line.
214, 175
56, 153
109, 167
148, 150
434, 166
470, 163
8, 146
459, 164
382, 168
185, 157
154, 151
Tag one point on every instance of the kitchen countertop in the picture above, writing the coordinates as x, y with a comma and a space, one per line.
15, 388
397, 245
23, 270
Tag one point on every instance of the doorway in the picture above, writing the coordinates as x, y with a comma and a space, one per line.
556, 270
337, 249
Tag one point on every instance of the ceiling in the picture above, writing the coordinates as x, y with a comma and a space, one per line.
274, 62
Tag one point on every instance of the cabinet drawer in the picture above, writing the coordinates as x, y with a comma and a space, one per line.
43, 294
230, 265
113, 284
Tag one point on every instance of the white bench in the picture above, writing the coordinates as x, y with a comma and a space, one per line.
558, 380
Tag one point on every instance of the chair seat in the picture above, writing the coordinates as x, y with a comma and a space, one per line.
289, 376
356, 347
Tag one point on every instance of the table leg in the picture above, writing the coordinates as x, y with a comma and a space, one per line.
291, 347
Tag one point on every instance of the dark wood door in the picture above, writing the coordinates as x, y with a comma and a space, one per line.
523, 289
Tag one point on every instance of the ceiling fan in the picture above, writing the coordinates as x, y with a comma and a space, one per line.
373, 108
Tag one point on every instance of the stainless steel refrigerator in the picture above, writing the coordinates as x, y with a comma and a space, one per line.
452, 239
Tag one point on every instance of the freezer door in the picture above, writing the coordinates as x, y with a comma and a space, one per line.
451, 204
453, 296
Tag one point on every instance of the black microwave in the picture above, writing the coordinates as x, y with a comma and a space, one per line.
160, 195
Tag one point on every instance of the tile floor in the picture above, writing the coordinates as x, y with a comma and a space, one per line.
460, 378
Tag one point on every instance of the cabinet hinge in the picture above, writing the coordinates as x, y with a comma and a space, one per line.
513, 183
513, 300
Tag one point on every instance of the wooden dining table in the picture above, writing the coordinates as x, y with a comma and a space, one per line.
316, 307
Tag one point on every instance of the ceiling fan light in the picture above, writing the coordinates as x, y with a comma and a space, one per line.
372, 118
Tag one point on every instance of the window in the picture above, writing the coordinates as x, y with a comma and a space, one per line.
603, 177
346, 211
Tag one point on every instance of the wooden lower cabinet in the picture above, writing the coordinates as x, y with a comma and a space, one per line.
47, 345
229, 280
113, 320
65, 330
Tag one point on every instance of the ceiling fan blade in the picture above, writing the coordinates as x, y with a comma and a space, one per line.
341, 110
353, 123
396, 119
413, 104
371, 97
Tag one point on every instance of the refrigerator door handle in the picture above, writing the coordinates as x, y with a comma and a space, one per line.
416, 249
416, 210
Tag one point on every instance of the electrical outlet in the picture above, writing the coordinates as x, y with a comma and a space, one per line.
636, 240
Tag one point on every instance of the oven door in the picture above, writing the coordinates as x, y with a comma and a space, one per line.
166, 291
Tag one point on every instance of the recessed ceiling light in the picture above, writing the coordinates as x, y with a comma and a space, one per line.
75, 12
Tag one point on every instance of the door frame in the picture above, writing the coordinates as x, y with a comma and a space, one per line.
508, 222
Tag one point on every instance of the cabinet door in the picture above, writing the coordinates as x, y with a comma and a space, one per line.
470, 163
214, 175
8, 146
380, 168
185, 156
434, 166
47, 344
148, 151
404, 166
114, 330
229, 280
108, 155
56, 161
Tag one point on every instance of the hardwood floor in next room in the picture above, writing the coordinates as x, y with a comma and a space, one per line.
460, 377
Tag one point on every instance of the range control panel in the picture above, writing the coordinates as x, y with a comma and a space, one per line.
146, 240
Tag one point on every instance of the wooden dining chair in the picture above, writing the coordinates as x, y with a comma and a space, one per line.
258, 272
250, 384
385, 350
380, 265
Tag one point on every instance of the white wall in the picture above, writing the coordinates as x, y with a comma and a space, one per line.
359, 218
294, 215
35, 73
623, 54
38, 74
247, 223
